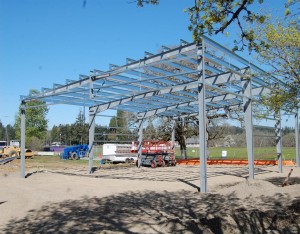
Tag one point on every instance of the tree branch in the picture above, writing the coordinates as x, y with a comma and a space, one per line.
234, 16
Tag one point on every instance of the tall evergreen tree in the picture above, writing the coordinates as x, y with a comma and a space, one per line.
79, 130
118, 127
10, 132
2, 132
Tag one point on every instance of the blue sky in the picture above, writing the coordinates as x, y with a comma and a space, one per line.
48, 41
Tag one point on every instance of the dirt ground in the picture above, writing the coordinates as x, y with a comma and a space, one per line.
126, 199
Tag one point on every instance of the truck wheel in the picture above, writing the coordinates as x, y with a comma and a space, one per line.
74, 156
12, 153
127, 160
153, 164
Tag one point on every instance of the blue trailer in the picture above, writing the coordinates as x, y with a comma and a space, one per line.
75, 152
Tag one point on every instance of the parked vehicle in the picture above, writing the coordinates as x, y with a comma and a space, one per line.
156, 153
118, 153
75, 152
14, 150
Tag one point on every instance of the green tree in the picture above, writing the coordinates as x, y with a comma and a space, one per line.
35, 143
150, 131
181, 131
79, 131
7, 132
65, 135
71, 134
100, 133
280, 51
36, 122
2, 131
184, 129
55, 131
10, 132
276, 42
118, 127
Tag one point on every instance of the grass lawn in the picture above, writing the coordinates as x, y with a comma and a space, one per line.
241, 153
192, 152
55, 162
49, 160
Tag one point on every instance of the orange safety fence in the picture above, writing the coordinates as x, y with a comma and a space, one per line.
233, 162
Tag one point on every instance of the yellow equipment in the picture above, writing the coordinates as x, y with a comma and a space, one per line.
12, 151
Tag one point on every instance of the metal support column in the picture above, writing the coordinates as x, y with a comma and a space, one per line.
92, 117
23, 141
249, 124
297, 138
278, 135
202, 117
140, 142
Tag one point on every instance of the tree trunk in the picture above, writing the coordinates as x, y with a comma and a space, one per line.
180, 136
182, 144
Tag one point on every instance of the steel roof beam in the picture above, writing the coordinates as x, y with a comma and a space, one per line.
182, 50
152, 112
216, 80
239, 58
158, 57
192, 85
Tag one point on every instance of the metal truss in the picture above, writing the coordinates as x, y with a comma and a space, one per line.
160, 82
187, 80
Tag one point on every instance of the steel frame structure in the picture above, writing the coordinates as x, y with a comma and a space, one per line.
188, 80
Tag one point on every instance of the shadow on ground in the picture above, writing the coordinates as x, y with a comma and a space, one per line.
278, 181
168, 212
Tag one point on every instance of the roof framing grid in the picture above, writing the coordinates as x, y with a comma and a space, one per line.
168, 77
167, 83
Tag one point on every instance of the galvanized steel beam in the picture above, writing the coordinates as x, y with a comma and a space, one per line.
202, 117
23, 140
146, 114
248, 119
140, 141
92, 118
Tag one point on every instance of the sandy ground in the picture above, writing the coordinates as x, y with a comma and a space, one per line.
146, 200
